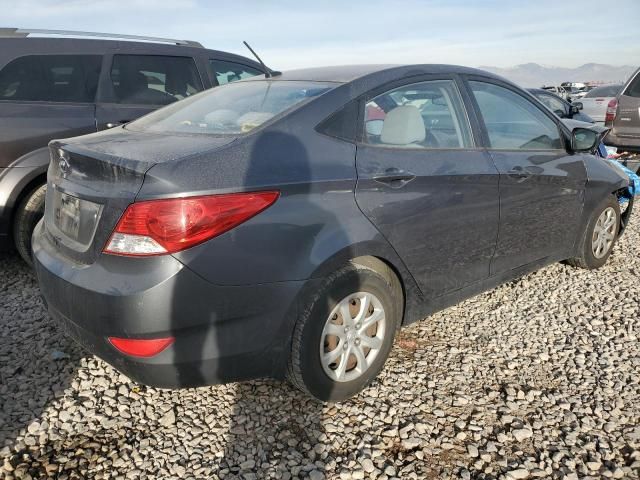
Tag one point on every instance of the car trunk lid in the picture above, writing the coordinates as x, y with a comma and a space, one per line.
92, 180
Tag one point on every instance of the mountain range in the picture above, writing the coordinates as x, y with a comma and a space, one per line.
535, 75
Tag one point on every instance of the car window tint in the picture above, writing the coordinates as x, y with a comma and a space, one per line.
153, 79
420, 115
227, 72
552, 103
51, 78
514, 122
633, 90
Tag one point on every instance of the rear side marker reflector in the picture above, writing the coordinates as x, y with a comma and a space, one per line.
158, 227
141, 347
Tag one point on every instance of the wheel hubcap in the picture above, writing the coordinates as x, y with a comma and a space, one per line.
352, 336
604, 232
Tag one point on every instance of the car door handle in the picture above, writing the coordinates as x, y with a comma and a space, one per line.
116, 124
521, 173
394, 177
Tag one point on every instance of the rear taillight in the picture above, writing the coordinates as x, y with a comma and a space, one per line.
612, 109
157, 227
141, 347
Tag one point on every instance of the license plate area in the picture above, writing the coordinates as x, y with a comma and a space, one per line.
71, 219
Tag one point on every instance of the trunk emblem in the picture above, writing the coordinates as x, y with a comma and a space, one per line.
63, 164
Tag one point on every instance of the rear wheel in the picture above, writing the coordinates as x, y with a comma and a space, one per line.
28, 214
343, 338
600, 235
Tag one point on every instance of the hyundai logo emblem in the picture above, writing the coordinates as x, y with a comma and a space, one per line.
63, 164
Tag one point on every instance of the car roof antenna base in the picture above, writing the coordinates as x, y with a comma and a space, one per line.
268, 73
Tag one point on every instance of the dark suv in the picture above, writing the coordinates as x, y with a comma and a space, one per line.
54, 87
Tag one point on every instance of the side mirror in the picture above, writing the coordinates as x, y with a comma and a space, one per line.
578, 106
574, 110
583, 139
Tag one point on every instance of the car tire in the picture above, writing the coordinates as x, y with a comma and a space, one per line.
28, 214
354, 288
600, 236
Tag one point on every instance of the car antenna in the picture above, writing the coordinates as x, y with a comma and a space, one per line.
267, 71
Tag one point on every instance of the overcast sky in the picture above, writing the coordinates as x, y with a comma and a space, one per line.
289, 33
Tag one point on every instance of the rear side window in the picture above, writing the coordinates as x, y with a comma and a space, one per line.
606, 91
227, 72
633, 90
51, 78
514, 122
153, 79
420, 115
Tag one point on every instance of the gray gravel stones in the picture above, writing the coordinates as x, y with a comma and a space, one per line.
539, 378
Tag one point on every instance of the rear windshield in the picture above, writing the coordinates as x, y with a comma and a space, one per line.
230, 109
606, 91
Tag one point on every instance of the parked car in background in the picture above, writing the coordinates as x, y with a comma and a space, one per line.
64, 87
600, 102
559, 106
623, 116
559, 91
288, 226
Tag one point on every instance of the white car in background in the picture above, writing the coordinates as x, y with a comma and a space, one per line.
600, 101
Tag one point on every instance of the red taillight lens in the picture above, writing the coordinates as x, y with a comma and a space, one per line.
157, 227
141, 347
612, 109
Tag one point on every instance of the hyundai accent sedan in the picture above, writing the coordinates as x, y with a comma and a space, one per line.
288, 226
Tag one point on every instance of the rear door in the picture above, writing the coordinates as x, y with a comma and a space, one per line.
44, 97
541, 185
426, 185
136, 84
627, 122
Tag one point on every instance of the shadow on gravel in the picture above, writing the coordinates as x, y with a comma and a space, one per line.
37, 361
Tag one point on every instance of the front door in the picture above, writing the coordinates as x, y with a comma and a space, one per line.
425, 185
541, 185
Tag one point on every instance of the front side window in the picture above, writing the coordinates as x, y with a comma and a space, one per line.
421, 115
51, 78
153, 79
552, 103
227, 72
231, 109
514, 122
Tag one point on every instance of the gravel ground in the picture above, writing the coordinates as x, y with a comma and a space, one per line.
538, 378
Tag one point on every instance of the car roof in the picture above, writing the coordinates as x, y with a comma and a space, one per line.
18, 46
348, 73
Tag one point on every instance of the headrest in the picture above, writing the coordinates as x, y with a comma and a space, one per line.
403, 125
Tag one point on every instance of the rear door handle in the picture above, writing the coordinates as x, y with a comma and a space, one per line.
394, 177
116, 124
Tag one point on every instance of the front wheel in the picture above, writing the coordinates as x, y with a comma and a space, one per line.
28, 214
600, 235
342, 339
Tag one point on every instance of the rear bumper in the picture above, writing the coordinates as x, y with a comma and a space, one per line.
625, 143
222, 333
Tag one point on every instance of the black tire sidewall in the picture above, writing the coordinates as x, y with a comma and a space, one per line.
29, 213
589, 257
351, 281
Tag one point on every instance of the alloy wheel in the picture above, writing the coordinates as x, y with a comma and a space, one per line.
604, 233
352, 336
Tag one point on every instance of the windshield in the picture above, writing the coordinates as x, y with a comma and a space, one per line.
230, 109
606, 91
